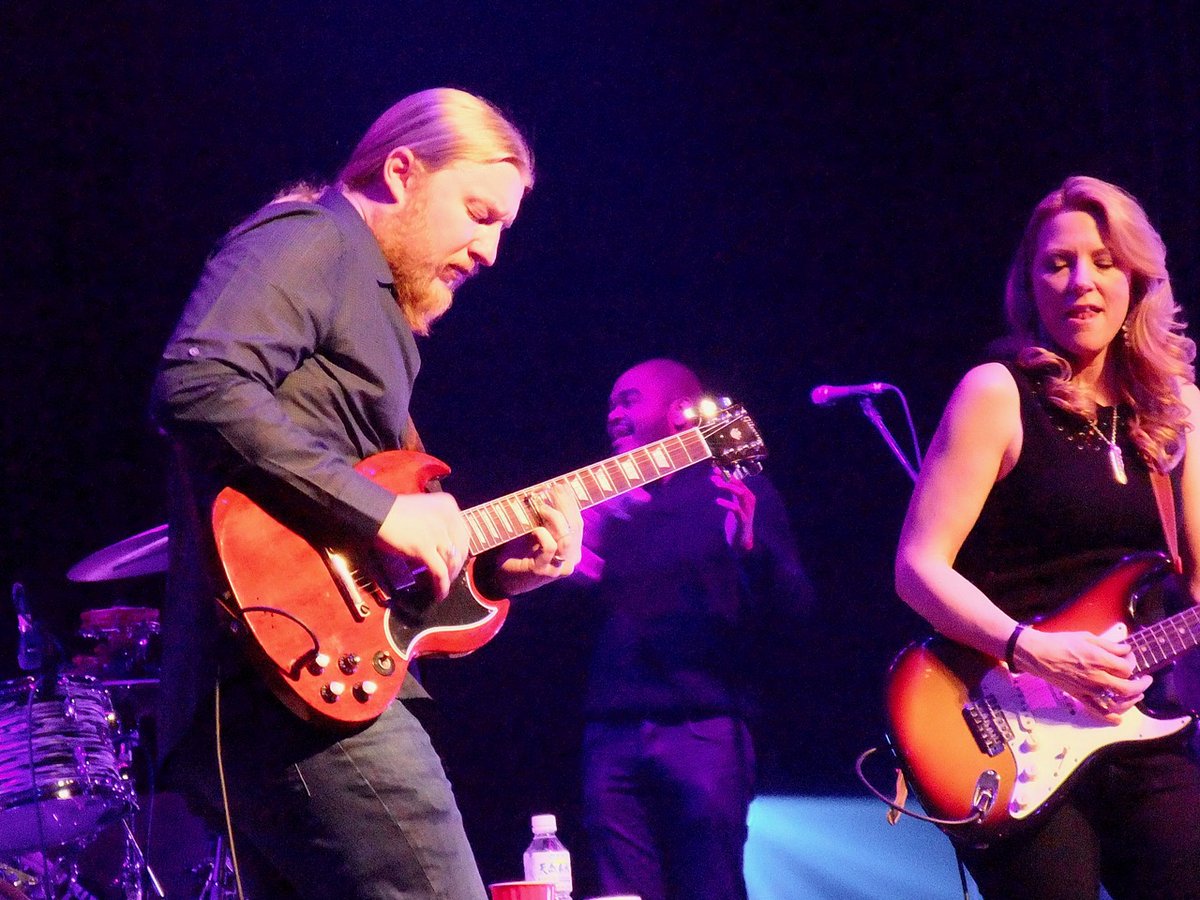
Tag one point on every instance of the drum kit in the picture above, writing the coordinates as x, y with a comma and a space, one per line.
78, 810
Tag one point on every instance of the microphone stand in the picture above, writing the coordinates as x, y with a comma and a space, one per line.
873, 416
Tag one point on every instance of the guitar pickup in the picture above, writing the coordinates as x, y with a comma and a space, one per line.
348, 584
988, 725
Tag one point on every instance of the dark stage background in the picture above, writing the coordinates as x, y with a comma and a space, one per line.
780, 197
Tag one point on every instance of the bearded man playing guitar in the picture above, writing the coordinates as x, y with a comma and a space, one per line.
1039, 480
294, 361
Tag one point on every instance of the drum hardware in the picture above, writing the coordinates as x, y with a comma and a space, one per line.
221, 882
31, 639
70, 746
135, 864
121, 646
65, 764
17, 883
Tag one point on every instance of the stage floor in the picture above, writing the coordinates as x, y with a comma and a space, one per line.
842, 848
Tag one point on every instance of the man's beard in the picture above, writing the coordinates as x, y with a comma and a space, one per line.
423, 298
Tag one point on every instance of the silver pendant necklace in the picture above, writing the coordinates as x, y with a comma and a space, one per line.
1116, 459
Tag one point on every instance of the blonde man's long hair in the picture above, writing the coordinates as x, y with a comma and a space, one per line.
1152, 355
440, 126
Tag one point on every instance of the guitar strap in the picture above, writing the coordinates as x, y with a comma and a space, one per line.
1164, 497
412, 441
412, 438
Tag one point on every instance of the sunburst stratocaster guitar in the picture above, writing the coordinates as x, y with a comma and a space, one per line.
334, 636
959, 720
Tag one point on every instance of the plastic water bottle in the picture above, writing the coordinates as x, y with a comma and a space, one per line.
547, 859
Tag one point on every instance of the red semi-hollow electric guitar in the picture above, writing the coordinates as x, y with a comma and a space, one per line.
959, 719
331, 630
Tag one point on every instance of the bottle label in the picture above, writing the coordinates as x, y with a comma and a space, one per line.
551, 865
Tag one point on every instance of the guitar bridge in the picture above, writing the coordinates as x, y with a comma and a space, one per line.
988, 725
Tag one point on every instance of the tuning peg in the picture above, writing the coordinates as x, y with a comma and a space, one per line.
704, 408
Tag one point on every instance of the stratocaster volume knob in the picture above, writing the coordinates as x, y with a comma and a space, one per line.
332, 691
365, 690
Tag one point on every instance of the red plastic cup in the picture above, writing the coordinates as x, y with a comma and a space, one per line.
522, 890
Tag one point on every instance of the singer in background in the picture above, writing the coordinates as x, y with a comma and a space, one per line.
1038, 481
699, 585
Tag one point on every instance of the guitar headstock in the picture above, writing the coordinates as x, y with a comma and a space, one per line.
737, 447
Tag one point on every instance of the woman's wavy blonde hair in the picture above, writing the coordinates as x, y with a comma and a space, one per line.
1153, 356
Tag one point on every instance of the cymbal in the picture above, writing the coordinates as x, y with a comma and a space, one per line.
141, 554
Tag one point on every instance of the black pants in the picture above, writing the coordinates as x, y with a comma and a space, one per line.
1131, 823
666, 807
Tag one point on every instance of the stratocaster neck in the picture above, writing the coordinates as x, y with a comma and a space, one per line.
1158, 645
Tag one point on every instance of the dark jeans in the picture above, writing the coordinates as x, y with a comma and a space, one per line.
666, 807
321, 815
1131, 823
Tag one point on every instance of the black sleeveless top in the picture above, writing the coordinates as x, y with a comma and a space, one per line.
1059, 519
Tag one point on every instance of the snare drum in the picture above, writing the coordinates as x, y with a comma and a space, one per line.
59, 778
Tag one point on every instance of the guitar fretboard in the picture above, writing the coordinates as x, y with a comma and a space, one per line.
1157, 645
499, 521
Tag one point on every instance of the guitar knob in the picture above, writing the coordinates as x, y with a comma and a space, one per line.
364, 690
332, 691
1029, 743
320, 662
349, 663
1027, 773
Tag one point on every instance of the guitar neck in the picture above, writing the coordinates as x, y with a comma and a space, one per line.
1157, 645
499, 521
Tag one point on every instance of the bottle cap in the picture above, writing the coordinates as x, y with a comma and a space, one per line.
544, 822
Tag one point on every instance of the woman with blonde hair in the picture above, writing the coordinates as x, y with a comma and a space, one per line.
1037, 482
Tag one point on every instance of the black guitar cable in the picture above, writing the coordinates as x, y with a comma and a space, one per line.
984, 799
986, 787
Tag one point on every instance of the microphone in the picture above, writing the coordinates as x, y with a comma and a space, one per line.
29, 638
832, 393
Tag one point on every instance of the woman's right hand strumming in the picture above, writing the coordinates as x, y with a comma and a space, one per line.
1094, 670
